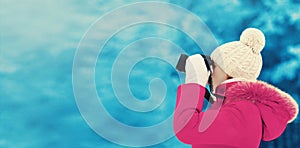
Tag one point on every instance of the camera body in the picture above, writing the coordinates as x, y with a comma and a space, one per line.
182, 61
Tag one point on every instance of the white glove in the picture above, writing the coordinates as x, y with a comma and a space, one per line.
196, 71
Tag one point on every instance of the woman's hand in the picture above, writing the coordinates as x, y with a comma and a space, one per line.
196, 71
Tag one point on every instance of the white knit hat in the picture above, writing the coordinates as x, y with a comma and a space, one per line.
241, 59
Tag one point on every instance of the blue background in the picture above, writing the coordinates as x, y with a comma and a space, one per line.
38, 41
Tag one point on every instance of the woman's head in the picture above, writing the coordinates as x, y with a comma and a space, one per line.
239, 59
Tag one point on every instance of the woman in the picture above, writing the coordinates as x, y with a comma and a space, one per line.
246, 110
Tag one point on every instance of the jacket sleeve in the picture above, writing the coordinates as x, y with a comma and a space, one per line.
234, 121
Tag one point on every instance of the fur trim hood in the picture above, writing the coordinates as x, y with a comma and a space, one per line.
276, 107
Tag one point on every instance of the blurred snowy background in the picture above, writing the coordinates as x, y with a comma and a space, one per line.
38, 42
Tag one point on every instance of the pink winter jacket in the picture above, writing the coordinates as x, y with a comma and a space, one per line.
251, 112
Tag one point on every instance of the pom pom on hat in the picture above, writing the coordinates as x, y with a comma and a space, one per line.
241, 59
253, 38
